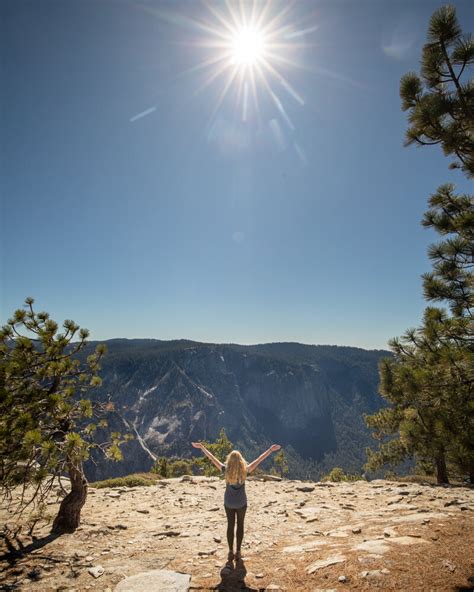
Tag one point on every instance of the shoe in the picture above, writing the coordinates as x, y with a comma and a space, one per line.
230, 556
238, 556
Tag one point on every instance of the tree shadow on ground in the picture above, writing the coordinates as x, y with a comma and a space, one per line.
467, 588
16, 565
16, 550
233, 578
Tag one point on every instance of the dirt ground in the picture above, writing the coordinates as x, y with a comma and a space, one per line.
299, 537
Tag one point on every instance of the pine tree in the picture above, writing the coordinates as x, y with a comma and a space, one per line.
453, 259
46, 422
440, 104
220, 449
429, 382
281, 463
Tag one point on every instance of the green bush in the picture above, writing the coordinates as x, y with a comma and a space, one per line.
173, 467
161, 467
135, 480
180, 467
337, 474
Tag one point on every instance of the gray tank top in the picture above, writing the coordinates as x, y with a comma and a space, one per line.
235, 496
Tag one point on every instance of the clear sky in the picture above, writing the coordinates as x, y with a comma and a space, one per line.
137, 204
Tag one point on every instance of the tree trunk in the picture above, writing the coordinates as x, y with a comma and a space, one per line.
69, 515
441, 469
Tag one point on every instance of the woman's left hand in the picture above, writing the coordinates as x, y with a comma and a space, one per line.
197, 444
275, 447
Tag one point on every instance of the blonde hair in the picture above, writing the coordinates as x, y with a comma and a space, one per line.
235, 468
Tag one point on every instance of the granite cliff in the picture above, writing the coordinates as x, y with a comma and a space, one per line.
310, 399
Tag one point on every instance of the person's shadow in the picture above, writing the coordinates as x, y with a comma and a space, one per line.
233, 578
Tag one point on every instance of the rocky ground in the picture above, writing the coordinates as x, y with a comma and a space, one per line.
298, 537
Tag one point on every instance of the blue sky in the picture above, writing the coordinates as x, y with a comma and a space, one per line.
135, 207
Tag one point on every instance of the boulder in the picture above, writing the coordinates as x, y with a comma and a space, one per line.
157, 579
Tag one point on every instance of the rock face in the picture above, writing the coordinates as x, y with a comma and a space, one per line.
310, 399
185, 532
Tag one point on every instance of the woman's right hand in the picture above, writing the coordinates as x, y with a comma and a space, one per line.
197, 444
275, 447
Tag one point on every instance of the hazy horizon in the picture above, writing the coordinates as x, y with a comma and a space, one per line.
234, 343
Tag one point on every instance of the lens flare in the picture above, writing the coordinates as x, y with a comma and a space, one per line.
248, 48
247, 51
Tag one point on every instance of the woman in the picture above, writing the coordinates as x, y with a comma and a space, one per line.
235, 498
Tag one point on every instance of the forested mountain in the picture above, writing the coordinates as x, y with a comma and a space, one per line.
310, 399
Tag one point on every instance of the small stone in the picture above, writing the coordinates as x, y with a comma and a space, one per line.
306, 488
217, 539
356, 530
96, 571
208, 552
373, 574
448, 565
89, 558
342, 579
272, 587
271, 478
259, 576
143, 511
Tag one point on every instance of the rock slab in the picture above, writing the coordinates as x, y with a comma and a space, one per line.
325, 563
157, 579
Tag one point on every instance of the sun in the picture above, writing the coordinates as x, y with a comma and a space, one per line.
247, 47
247, 50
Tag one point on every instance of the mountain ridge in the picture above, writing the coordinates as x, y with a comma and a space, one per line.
309, 398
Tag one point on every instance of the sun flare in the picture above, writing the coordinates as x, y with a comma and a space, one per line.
249, 52
248, 46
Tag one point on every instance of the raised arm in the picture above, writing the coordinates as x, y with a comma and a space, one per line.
254, 464
209, 455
